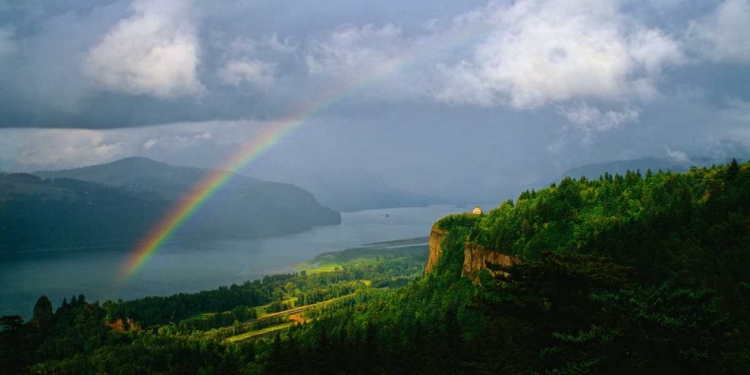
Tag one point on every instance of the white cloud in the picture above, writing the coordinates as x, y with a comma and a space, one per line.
43, 148
37, 149
678, 156
279, 45
652, 50
724, 35
348, 51
390, 65
589, 118
544, 51
257, 72
244, 45
587, 121
254, 60
206, 135
7, 43
154, 52
151, 142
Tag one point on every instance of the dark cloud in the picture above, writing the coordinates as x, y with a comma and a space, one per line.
454, 98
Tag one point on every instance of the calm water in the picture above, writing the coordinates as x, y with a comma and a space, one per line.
189, 266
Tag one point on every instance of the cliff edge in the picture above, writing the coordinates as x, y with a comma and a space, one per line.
436, 237
475, 257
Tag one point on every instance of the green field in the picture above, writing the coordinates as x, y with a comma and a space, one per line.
336, 260
262, 310
257, 334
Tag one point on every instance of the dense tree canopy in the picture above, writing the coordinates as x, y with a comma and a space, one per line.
622, 274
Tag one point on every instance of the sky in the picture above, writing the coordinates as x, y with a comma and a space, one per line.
449, 98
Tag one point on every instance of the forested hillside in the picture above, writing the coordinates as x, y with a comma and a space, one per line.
117, 203
244, 206
216, 331
641, 273
64, 212
691, 228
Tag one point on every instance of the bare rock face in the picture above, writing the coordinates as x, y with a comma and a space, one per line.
476, 258
123, 325
436, 237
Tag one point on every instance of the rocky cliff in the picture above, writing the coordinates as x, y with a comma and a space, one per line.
477, 257
436, 237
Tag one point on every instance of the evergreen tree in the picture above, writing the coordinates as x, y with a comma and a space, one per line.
42, 311
732, 170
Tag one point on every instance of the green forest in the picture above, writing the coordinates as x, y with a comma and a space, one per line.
646, 272
77, 213
71, 213
115, 204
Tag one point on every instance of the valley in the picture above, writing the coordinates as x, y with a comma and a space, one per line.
583, 274
191, 265
375, 187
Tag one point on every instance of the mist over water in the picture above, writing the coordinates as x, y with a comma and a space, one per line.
190, 265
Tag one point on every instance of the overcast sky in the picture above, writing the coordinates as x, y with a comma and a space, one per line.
437, 96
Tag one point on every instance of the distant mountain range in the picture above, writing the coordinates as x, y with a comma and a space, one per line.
349, 190
120, 201
349, 195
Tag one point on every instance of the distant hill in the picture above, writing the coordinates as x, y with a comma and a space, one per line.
44, 213
121, 200
138, 173
350, 198
348, 190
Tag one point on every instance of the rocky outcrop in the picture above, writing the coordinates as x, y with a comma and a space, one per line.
121, 325
476, 258
436, 237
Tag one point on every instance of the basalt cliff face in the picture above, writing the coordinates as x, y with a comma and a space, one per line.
436, 237
476, 257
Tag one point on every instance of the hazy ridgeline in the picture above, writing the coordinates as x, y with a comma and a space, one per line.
118, 203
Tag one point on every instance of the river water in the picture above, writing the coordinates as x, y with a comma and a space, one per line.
194, 265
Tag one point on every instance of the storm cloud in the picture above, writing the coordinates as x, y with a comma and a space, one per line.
497, 94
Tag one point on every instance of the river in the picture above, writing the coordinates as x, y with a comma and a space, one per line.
190, 266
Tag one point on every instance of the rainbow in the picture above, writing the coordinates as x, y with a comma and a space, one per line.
267, 138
